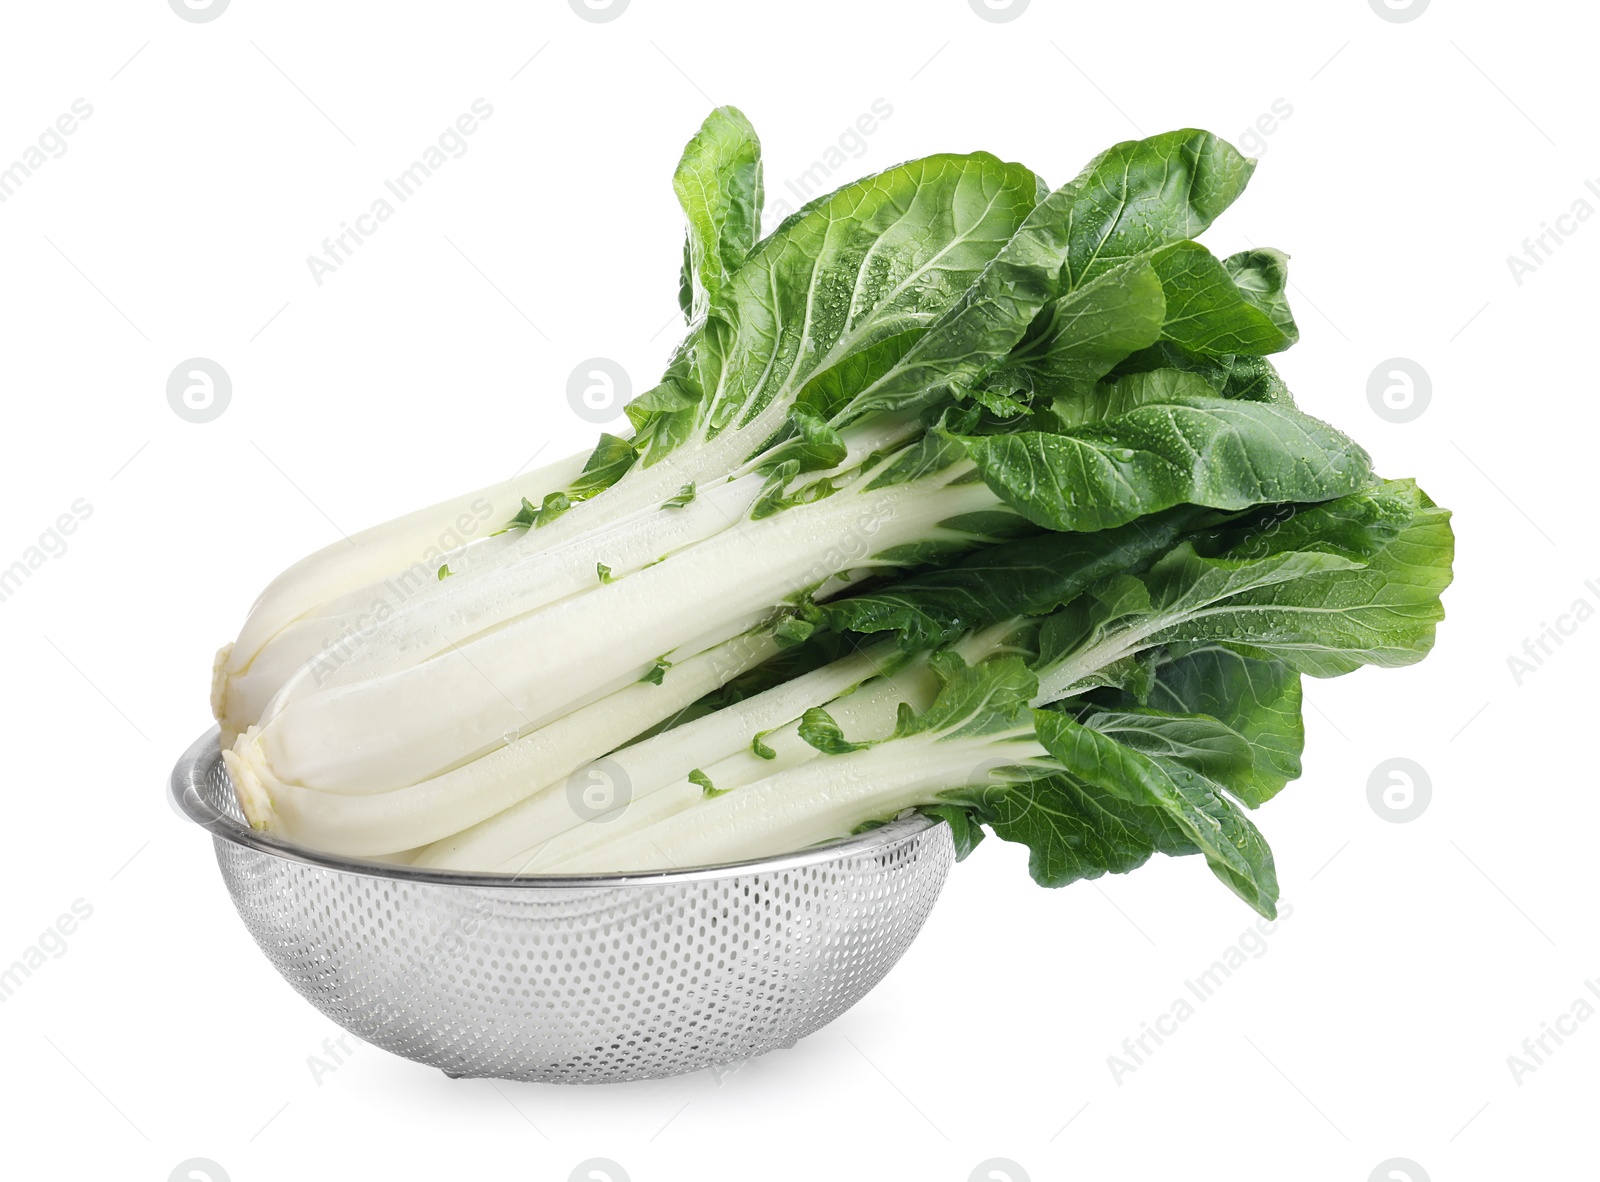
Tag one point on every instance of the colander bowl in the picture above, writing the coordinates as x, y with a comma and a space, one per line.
593, 979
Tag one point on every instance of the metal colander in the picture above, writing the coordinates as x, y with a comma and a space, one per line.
575, 980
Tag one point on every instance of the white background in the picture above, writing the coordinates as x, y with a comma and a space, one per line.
219, 155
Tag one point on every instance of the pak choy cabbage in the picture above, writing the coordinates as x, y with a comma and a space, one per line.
960, 493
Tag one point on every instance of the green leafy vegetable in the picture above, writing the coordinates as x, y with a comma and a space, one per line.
985, 500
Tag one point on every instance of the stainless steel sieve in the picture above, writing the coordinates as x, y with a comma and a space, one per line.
595, 979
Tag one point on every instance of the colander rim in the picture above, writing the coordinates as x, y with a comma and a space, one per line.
198, 763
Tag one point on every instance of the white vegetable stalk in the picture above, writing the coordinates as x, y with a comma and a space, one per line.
421, 813
406, 615
480, 603
420, 721
412, 615
644, 488
642, 768
373, 555
537, 573
864, 712
724, 754
755, 624
813, 803
704, 461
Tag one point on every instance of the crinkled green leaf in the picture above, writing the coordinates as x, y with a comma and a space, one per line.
1323, 605
1108, 400
1260, 700
813, 445
1245, 379
1026, 577
1200, 742
1328, 621
718, 183
1142, 195
1232, 846
791, 631
1208, 313
1212, 452
1074, 832
684, 496
664, 417
1262, 276
1128, 203
837, 294
819, 729
965, 829
703, 782
935, 451
1079, 337
1255, 379
974, 699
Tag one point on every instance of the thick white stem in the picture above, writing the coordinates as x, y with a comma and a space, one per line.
701, 463
825, 799
396, 545
641, 769
470, 604
573, 845
726, 631
408, 613
545, 573
865, 713
422, 813
417, 722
